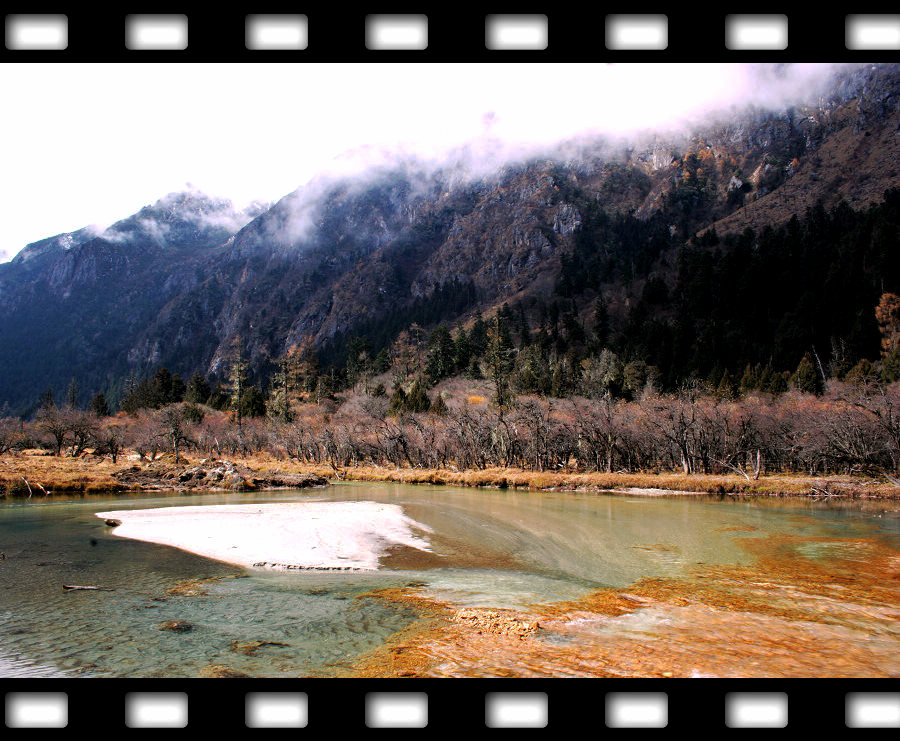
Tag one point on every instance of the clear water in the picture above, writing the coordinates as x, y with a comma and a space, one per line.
499, 549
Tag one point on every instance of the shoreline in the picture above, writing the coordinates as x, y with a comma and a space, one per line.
31, 475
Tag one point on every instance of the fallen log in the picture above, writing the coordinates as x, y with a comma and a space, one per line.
823, 493
74, 587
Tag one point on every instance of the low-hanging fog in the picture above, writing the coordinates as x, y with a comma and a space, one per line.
92, 144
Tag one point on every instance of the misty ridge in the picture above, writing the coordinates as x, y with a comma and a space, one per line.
480, 163
765, 89
161, 222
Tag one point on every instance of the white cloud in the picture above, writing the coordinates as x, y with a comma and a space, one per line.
88, 144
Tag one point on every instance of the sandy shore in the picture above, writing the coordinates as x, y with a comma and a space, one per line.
295, 535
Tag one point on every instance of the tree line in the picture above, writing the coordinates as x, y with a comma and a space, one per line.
708, 307
492, 396
852, 428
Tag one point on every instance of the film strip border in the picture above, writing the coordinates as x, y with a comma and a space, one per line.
652, 35
450, 35
576, 705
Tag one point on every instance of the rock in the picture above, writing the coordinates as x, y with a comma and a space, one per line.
217, 671
191, 587
214, 474
235, 482
496, 622
112, 523
177, 626
251, 647
277, 479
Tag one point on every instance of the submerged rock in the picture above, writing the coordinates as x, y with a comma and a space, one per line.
217, 671
177, 626
251, 647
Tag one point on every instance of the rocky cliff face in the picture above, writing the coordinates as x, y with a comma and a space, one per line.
180, 282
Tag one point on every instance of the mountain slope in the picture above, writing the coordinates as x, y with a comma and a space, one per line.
78, 305
181, 283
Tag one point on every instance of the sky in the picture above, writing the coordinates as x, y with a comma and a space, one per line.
84, 144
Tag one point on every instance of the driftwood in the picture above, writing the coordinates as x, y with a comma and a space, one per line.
823, 493
38, 485
75, 587
739, 469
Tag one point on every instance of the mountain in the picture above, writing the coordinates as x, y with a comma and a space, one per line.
83, 304
183, 282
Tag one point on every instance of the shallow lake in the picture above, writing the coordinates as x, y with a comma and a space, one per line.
488, 549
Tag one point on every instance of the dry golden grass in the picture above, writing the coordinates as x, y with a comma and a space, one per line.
88, 474
48, 474
626, 483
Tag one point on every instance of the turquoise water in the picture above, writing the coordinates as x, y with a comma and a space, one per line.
499, 549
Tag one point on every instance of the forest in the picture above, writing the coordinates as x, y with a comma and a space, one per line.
757, 353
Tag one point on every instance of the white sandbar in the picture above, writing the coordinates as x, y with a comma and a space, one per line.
290, 535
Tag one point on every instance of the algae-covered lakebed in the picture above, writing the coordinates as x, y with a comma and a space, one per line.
557, 561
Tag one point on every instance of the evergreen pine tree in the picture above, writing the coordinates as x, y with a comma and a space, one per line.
398, 400
439, 407
198, 390
279, 401
524, 329
806, 378
238, 375
462, 349
72, 395
499, 357
440, 358
417, 400
99, 407
46, 400
601, 322
478, 336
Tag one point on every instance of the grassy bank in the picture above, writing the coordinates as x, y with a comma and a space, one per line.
627, 483
36, 474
